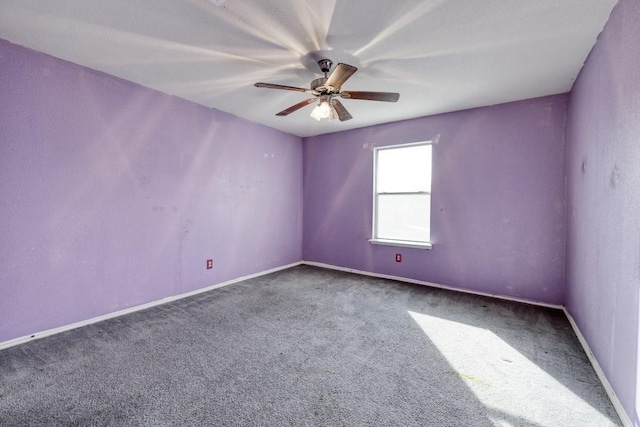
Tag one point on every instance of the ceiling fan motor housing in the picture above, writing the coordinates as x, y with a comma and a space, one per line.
318, 84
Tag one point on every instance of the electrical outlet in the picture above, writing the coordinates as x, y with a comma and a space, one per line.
209, 264
398, 257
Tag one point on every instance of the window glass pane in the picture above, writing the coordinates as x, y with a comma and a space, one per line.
404, 217
404, 169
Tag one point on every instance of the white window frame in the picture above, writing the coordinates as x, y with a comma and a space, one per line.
392, 242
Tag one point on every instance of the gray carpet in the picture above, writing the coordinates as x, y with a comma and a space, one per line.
310, 347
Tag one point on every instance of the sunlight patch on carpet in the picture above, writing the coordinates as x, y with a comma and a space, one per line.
501, 377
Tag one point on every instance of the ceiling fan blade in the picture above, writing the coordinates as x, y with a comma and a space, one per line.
296, 107
371, 96
343, 114
283, 87
339, 75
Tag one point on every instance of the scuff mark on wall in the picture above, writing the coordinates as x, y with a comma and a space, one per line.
615, 176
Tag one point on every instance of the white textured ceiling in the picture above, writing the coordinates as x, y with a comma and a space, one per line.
440, 55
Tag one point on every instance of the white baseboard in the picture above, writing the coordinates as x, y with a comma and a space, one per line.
624, 417
42, 334
433, 285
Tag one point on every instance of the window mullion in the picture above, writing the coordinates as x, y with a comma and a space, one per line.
403, 193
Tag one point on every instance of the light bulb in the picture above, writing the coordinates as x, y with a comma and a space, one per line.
324, 110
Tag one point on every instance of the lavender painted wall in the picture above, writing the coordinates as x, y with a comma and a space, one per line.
498, 222
603, 170
113, 195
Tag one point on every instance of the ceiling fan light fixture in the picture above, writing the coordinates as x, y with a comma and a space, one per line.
324, 110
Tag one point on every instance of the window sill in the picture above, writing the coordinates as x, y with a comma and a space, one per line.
401, 243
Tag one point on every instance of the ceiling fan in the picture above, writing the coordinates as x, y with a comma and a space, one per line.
325, 91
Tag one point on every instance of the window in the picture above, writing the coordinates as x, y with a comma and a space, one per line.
402, 195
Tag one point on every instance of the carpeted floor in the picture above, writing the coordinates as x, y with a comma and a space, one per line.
310, 347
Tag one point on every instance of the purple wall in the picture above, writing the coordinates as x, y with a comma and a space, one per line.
113, 195
603, 170
498, 221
